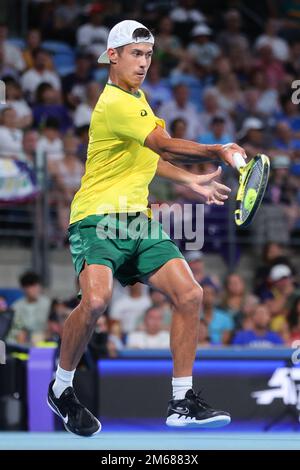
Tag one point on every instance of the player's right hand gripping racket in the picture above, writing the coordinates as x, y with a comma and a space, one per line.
252, 186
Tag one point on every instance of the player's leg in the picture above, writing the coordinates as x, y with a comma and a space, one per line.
176, 280
96, 283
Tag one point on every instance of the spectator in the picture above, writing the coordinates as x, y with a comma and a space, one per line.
67, 174
15, 100
260, 336
217, 134
50, 143
220, 324
6, 70
33, 43
231, 37
48, 105
211, 109
129, 311
83, 112
202, 50
180, 107
30, 142
195, 260
203, 337
293, 320
92, 36
234, 295
153, 336
178, 128
155, 87
74, 84
159, 300
12, 54
38, 74
31, 312
58, 314
10, 136
280, 47
6, 318
187, 11
167, 46
252, 136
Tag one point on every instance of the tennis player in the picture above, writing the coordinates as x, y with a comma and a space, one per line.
128, 145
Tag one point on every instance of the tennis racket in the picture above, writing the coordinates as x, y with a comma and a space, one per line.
252, 186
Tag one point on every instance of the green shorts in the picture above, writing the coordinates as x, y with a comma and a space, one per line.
131, 245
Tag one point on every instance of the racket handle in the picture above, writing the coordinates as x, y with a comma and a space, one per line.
238, 160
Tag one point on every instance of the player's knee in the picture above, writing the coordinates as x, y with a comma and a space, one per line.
96, 305
190, 300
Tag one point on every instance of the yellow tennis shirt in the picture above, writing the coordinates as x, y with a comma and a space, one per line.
119, 168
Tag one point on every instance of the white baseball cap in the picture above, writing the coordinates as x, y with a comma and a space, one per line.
280, 271
121, 35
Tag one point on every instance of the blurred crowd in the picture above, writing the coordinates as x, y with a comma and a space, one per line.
260, 314
218, 75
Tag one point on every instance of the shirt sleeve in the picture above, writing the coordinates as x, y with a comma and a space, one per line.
134, 122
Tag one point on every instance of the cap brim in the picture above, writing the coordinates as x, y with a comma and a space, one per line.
103, 59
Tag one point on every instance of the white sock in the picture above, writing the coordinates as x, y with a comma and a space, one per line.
180, 386
63, 380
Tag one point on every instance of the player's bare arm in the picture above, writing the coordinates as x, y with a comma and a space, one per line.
180, 150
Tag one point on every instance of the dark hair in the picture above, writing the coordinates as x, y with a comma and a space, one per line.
29, 278
175, 122
41, 90
51, 123
141, 33
38, 51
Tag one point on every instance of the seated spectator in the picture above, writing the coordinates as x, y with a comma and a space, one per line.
252, 137
202, 49
67, 174
195, 260
15, 100
282, 286
153, 336
178, 129
243, 320
293, 320
203, 335
159, 300
10, 136
92, 36
156, 88
6, 318
50, 143
129, 310
220, 324
30, 142
232, 36
181, 107
33, 43
58, 314
31, 312
217, 134
83, 112
168, 47
260, 336
48, 105
211, 108
234, 295
280, 47
74, 84
38, 74
12, 54
6, 70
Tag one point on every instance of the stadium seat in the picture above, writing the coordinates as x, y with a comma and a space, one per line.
11, 294
57, 47
18, 42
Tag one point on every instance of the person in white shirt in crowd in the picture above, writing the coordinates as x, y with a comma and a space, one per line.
67, 174
153, 336
38, 74
31, 312
181, 107
270, 37
30, 141
212, 108
83, 112
202, 50
12, 54
50, 143
92, 36
10, 136
129, 310
14, 98
187, 11
232, 37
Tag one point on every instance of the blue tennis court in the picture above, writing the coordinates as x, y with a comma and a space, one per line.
150, 440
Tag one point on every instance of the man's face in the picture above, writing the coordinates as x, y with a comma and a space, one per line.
132, 63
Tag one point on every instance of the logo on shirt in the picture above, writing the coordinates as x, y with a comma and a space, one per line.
144, 112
